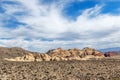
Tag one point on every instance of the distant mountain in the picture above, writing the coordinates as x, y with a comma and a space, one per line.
117, 49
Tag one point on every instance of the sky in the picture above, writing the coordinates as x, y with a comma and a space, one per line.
41, 25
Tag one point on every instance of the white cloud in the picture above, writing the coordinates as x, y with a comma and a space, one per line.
90, 29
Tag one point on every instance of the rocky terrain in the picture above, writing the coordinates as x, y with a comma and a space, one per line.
58, 64
61, 70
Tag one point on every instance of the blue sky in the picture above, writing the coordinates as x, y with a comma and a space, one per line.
76, 8
40, 25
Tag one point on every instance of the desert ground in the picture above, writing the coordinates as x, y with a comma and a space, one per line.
105, 69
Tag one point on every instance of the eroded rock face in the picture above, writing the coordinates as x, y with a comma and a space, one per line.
27, 57
74, 54
31, 57
89, 51
58, 54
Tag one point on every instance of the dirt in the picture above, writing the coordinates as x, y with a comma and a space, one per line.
108, 69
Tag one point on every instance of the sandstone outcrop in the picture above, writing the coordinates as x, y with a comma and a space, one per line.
74, 54
31, 57
59, 54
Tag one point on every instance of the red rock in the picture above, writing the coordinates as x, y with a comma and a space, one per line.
109, 54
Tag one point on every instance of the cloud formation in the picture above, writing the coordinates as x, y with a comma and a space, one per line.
43, 26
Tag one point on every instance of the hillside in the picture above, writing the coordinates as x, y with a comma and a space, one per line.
12, 52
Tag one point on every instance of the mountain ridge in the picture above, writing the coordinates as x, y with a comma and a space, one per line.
111, 49
59, 54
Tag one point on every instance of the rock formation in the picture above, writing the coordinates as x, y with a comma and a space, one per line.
59, 54
74, 54
111, 53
